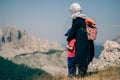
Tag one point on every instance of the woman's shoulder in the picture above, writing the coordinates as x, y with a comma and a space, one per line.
80, 19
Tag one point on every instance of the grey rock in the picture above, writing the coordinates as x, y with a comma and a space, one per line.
109, 57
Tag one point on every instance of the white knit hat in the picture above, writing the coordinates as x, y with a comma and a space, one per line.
75, 7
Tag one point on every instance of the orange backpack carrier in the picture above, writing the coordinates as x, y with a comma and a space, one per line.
91, 29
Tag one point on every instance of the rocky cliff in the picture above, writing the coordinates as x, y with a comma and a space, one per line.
14, 41
110, 56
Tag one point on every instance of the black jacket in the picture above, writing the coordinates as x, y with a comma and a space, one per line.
82, 45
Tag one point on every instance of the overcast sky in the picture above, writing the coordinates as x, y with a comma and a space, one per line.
49, 19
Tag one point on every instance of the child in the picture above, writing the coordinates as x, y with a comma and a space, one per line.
71, 57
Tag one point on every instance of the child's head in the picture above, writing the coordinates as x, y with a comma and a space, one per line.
68, 32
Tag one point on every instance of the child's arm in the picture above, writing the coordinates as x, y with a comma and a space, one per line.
71, 44
69, 47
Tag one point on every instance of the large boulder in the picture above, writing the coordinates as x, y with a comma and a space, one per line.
110, 56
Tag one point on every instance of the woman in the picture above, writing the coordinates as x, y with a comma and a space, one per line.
82, 57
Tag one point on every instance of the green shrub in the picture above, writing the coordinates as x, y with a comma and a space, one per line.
12, 71
52, 51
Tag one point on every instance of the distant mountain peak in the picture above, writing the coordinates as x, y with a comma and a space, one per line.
19, 41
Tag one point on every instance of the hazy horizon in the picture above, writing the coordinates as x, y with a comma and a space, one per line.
50, 19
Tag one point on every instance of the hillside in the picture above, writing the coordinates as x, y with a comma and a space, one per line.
52, 63
21, 48
12, 71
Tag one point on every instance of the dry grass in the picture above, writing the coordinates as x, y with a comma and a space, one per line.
112, 73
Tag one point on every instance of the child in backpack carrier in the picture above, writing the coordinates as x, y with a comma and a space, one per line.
71, 57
